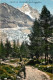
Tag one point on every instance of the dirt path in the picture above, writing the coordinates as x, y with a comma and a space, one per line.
8, 63
35, 74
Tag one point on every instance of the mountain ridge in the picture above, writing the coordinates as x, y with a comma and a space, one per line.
11, 17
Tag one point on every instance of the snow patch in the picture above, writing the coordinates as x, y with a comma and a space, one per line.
28, 13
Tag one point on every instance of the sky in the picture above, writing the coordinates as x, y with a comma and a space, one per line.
36, 4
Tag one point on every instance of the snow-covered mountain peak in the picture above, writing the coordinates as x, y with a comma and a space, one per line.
28, 10
26, 5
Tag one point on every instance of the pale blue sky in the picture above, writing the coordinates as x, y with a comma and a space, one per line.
38, 6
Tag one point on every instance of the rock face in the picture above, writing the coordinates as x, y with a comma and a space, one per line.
28, 10
11, 17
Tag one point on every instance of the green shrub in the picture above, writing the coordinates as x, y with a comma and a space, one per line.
44, 68
1, 71
41, 68
48, 69
37, 65
33, 62
9, 70
3, 76
17, 68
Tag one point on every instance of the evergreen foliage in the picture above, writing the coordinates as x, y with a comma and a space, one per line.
24, 50
2, 50
8, 48
41, 31
45, 22
35, 38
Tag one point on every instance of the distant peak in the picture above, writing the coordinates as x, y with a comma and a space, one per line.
26, 5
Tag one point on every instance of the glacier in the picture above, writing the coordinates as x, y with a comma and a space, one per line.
17, 34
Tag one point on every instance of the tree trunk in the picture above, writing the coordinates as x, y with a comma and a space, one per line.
45, 58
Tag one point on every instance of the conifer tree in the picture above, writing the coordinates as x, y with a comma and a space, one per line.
2, 50
16, 49
45, 23
51, 50
8, 48
14, 46
40, 33
35, 38
24, 51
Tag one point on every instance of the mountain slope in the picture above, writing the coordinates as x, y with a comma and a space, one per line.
11, 17
27, 9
